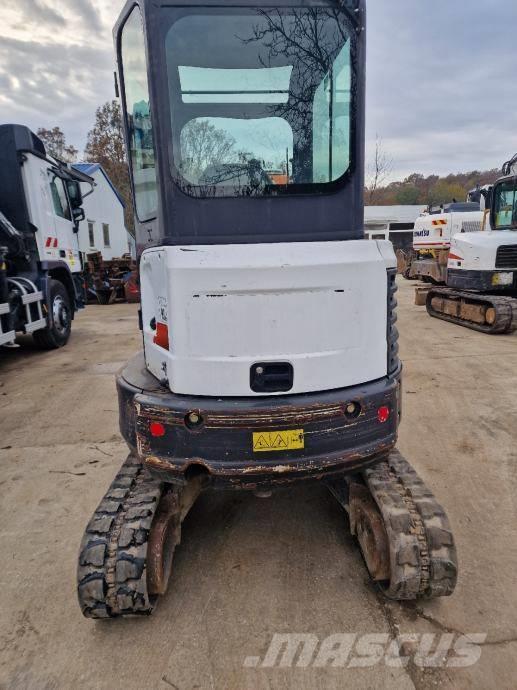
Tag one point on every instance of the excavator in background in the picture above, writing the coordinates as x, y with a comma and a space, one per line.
432, 238
481, 273
268, 322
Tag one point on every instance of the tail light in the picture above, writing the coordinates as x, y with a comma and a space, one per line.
161, 337
383, 414
157, 429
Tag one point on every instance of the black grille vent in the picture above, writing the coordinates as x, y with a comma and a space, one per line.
393, 334
507, 257
272, 377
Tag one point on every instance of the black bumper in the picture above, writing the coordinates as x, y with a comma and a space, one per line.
481, 281
226, 446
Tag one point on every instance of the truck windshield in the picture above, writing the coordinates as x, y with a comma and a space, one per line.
505, 199
260, 100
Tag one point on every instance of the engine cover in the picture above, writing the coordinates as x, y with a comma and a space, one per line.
214, 315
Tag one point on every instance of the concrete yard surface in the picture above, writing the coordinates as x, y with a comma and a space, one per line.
250, 568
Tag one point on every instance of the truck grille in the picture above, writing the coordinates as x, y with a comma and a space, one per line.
471, 226
393, 334
506, 256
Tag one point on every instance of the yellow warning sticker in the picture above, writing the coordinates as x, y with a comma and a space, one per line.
267, 441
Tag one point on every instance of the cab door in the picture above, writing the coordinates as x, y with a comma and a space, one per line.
66, 241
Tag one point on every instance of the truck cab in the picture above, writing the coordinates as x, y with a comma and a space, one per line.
40, 209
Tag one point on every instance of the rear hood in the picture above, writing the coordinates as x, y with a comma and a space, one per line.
321, 307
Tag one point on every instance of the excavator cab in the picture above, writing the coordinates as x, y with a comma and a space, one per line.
216, 98
259, 292
504, 206
270, 351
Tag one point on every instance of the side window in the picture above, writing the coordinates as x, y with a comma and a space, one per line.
506, 206
59, 199
91, 233
139, 117
331, 120
106, 234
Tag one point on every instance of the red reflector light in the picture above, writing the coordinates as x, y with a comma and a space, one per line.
383, 414
162, 336
157, 429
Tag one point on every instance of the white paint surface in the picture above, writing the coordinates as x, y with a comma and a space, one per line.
322, 306
103, 206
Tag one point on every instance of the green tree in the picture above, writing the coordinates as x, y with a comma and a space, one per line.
105, 145
445, 191
408, 195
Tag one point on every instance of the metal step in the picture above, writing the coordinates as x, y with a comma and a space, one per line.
34, 297
36, 326
4, 309
7, 337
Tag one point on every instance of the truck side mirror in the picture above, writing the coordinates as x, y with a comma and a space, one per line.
78, 216
74, 194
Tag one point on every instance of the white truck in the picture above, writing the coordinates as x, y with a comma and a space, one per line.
41, 278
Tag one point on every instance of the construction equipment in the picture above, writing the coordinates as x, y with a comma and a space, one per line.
270, 345
111, 281
481, 275
41, 281
432, 237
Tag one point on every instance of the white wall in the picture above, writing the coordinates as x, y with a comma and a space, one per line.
103, 206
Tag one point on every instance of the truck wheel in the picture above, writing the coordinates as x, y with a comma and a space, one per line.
56, 335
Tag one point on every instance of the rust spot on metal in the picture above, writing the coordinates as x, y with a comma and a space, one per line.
157, 463
367, 525
165, 533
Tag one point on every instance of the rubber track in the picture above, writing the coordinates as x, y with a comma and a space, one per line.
111, 575
423, 556
505, 307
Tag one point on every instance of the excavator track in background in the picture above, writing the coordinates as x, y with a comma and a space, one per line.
490, 314
127, 550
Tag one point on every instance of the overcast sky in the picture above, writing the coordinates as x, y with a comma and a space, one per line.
442, 90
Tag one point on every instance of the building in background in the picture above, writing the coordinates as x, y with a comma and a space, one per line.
395, 223
103, 229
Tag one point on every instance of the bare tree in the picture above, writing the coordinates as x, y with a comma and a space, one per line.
105, 145
310, 40
204, 146
379, 170
55, 144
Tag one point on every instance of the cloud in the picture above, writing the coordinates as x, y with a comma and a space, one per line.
38, 11
441, 89
56, 63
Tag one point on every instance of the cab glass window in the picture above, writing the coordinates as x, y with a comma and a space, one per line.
506, 205
60, 199
260, 100
139, 122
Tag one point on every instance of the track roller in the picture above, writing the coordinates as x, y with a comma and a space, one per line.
403, 532
492, 314
126, 553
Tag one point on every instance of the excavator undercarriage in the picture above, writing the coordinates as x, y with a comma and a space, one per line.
127, 550
492, 314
